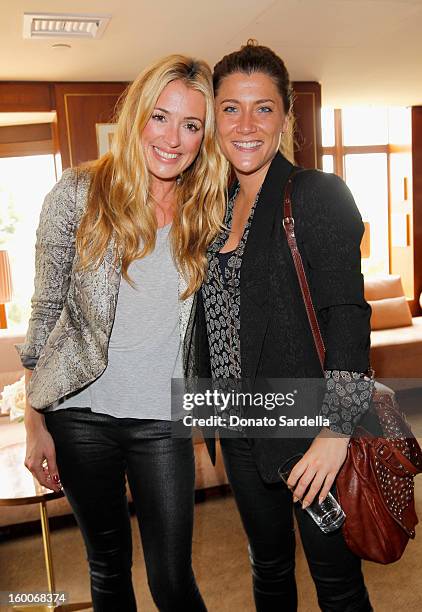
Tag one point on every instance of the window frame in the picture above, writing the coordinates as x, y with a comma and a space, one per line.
339, 151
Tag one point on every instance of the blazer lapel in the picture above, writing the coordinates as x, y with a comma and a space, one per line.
254, 277
185, 307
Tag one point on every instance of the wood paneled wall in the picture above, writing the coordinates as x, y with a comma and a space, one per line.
417, 204
79, 107
26, 97
307, 113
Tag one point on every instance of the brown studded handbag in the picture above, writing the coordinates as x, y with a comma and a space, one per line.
375, 485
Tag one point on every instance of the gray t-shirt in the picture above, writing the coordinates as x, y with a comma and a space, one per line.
144, 349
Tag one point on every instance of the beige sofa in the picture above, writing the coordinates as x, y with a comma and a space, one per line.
396, 336
12, 432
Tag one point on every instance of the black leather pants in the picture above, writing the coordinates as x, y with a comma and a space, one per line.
267, 516
94, 454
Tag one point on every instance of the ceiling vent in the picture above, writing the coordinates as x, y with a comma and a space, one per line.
55, 25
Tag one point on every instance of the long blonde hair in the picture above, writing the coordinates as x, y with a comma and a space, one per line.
120, 208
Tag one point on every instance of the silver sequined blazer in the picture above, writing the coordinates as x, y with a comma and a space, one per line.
73, 311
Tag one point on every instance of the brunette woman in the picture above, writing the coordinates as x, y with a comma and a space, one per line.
115, 272
251, 323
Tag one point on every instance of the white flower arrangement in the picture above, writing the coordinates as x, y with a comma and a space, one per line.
13, 400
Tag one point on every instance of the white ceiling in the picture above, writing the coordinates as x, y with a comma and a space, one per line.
361, 51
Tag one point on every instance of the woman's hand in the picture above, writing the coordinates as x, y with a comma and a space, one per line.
40, 456
319, 466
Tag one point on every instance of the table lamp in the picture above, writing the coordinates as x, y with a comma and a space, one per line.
5, 287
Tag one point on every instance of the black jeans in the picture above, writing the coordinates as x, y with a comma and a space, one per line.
267, 516
94, 454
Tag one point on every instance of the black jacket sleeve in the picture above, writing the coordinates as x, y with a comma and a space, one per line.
330, 234
332, 230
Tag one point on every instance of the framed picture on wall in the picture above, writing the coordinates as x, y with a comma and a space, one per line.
105, 133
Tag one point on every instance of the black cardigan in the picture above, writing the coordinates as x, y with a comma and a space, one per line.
275, 337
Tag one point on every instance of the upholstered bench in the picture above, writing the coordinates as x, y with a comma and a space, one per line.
396, 336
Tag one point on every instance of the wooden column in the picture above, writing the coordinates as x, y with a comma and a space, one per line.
307, 112
417, 204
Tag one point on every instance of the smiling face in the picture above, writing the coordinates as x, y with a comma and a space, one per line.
250, 120
173, 135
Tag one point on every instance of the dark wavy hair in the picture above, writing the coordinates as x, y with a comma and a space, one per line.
251, 58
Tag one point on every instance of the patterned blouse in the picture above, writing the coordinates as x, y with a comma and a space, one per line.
347, 394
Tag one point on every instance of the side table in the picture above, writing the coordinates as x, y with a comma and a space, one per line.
19, 487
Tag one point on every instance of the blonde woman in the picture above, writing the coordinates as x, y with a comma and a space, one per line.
120, 251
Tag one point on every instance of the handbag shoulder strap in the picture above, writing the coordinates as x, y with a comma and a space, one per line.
289, 228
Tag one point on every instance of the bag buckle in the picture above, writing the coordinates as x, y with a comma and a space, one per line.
288, 221
384, 451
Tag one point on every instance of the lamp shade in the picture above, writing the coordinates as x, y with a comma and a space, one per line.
5, 278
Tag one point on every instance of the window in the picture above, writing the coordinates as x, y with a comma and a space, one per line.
24, 182
370, 148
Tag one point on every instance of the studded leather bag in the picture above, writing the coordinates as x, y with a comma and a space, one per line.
375, 485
